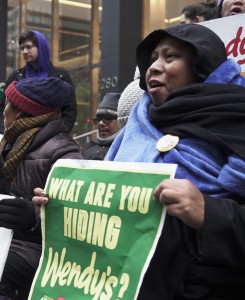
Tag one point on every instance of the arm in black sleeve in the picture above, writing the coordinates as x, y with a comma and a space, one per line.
223, 239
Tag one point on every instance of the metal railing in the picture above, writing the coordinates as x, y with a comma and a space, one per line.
85, 135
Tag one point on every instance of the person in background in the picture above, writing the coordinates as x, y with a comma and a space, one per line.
35, 137
129, 97
106, 121
35, 51
199, 12
228, 8
184, 117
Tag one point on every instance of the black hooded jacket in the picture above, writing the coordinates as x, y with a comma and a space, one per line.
209, 264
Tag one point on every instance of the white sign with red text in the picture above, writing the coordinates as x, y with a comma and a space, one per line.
232, 32
5, 238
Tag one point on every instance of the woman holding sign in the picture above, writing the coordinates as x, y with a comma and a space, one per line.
192, 114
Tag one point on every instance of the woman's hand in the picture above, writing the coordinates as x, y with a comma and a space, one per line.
182, 200
38, 199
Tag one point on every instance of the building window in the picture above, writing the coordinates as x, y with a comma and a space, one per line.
72, 29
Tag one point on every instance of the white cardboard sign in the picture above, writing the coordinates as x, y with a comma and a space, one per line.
5, 238
232, 32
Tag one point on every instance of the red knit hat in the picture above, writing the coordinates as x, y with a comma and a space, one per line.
38, 96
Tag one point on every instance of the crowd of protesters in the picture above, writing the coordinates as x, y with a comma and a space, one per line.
203, 232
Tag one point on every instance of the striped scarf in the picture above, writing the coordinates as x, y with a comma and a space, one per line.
20, 135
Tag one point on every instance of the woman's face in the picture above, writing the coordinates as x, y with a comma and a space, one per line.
171, 68
10, 114
232, 7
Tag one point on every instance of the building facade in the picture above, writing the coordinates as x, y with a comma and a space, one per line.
94, 40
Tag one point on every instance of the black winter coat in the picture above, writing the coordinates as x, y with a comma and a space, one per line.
50, 144
69, 111
94, 150
216, 268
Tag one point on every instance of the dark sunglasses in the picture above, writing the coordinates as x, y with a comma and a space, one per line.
106, 120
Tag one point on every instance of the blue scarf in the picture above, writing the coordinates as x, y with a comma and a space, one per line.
198, 160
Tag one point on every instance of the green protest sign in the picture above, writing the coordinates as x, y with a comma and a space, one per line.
100, 229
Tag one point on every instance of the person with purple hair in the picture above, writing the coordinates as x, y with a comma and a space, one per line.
36, 53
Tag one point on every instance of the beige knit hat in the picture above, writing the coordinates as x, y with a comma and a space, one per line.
129, 97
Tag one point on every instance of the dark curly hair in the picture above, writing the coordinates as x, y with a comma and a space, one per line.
30, 36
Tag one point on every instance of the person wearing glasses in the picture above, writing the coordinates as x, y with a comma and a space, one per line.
36, 53
106, 121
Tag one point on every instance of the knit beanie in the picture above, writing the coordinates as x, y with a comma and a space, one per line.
130, 96
37, 96
108, 106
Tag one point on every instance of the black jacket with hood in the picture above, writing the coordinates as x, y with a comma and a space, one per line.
209, 264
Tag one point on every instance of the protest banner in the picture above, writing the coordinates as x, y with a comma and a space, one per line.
100, 229
231, 31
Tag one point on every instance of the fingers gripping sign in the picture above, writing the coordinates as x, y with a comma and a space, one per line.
183, 201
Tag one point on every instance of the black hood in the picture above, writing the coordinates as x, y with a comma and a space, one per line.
209, 47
